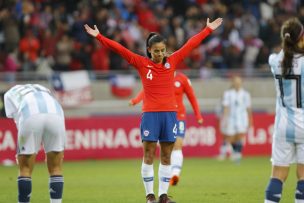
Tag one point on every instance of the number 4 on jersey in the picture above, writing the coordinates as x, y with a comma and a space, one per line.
149, 75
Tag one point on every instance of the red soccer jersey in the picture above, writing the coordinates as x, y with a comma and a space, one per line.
157, 79
182, 85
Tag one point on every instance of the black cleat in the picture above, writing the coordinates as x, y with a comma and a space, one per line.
151, 198
165, 199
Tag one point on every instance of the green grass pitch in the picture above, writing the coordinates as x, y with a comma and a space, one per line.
119, 181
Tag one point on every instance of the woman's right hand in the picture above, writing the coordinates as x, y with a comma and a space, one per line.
93, 32
214, 24
131, 103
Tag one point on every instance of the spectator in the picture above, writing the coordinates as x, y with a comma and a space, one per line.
29, 46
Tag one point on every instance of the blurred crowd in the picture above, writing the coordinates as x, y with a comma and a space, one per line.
47, 35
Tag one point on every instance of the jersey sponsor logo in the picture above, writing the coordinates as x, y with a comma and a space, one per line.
146, 133
167, 65
177, 84
149, 66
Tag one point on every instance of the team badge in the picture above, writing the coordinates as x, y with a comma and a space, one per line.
146, 133
167, 65
177, 84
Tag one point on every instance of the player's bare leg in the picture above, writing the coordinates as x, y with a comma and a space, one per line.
147, 170
176, 161
54, 164
26, 166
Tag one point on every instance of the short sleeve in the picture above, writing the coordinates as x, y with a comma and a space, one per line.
248, 100
226, 99
10, 108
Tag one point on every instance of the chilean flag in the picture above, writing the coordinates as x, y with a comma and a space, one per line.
72, 88
122, 85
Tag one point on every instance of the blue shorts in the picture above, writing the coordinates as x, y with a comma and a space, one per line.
158, 126
181, 128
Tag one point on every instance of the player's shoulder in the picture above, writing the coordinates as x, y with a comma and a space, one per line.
183, 78
13, 88
228, 91
274, 58
246, 92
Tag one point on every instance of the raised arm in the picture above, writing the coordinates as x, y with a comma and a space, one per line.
194, 41
131, 57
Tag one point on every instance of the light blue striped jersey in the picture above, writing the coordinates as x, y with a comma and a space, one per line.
289, 120
22, 101
238, 102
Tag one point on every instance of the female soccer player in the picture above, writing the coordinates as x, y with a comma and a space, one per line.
236, 118
39, 119
287, 68
159, 106
182, 85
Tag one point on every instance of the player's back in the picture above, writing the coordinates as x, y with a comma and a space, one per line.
290, 98
22, 101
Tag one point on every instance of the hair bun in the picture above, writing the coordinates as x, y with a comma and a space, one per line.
286, 35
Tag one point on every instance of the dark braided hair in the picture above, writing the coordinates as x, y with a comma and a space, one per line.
291, 32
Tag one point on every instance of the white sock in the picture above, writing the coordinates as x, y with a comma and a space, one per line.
56, 200
299, 201
164, 174
223, 150
176, 162
147, 174
268, 201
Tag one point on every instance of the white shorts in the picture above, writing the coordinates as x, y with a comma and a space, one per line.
46, 129
286, 153
231, 128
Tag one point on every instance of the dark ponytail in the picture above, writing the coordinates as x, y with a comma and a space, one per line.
152, 39
291, 32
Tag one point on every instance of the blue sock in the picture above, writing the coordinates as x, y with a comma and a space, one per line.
274, 190
234, 147
24, 189
300, 190
239, 146
56, 187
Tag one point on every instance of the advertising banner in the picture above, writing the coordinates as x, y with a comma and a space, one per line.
118, 137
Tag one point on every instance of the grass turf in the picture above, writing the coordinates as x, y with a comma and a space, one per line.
119, 181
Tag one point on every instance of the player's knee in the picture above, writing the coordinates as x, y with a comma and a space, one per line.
274, 190
55, 170
300, 190
165, 160
25, 170
148, 158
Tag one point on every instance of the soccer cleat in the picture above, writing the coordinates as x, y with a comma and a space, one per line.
165, 199
174, 180
151, 198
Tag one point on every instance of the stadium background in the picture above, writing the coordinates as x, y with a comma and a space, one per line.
44, 42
